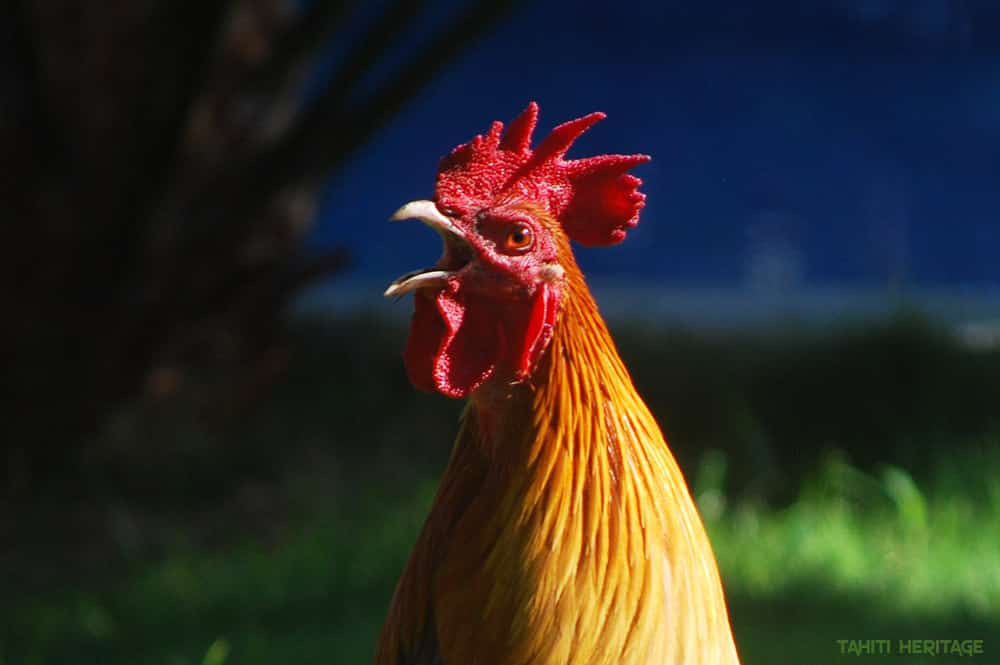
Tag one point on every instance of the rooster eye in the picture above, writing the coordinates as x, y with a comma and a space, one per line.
518, 239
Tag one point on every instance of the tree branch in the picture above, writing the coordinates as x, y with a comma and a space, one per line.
312, 30
322, 142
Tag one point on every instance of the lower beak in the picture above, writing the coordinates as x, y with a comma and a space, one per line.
428, 213
412, 281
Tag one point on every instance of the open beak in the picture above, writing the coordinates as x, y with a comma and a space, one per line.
452, 236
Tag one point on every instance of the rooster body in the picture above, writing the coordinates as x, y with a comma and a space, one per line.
563, 532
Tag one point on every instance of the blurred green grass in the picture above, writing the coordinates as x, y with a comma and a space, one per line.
891, 531
855, 556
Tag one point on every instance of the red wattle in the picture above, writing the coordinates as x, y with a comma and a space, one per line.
427, 332
456, 343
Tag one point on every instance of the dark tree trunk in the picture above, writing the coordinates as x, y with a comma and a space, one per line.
159, 171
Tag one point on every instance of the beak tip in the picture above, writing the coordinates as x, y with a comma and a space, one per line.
413, 210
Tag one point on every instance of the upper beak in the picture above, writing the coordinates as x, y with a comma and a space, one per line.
428, 213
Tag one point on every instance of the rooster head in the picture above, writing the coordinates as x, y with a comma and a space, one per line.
505, 213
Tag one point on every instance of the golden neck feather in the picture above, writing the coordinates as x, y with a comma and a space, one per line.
563, 532
594, 551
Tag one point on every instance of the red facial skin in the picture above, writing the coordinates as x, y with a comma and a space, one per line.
493, 318
496, 313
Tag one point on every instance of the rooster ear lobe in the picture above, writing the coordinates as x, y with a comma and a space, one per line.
538, 332
606, 200
525, 331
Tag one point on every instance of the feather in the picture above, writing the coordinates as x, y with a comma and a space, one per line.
563, 532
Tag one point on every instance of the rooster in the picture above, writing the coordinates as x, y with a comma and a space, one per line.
563, 532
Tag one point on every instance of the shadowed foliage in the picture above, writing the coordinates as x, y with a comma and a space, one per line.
282, 537
161, 166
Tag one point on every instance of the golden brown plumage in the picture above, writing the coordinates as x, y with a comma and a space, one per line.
563, 532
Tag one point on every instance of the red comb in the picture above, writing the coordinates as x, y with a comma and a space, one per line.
595, 199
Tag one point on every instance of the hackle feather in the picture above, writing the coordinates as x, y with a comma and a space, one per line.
563, 532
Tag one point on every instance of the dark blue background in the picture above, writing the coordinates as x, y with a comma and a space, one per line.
859, 137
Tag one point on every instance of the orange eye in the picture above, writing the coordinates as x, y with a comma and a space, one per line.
518, 239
